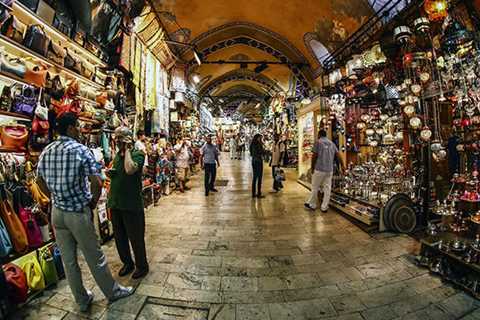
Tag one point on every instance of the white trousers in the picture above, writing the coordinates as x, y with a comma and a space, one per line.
321, 180
233, 152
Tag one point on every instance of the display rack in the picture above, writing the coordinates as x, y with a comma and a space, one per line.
28, 17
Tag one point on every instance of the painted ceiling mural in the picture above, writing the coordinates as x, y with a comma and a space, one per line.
332, 21
300, 33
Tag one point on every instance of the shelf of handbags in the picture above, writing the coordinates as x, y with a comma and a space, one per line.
19, 53
28, 17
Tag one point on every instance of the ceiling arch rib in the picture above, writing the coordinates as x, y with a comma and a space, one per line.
240, 75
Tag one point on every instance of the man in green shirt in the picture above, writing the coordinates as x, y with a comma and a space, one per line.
126, 203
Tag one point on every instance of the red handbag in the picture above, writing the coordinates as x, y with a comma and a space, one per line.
39, 126
14, 137
34, 234
17, 283
68, 105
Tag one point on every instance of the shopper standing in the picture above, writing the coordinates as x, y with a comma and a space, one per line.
126, 203
68, 173
183, 163
324, 153
233, 147
257, 152
209, 161
278, 149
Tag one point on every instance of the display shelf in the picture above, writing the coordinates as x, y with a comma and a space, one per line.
15, 116
20, 51
354, 213
8, 150
92, 121
16, 256
457, 271
364, 202
29, 18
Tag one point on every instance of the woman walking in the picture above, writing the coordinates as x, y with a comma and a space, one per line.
257, 151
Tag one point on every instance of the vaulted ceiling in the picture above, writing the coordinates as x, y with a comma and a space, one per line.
292, 32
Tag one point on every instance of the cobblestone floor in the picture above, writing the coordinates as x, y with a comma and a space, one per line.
243, 259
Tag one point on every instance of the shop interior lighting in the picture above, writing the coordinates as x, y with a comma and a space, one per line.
197, 57
196, 78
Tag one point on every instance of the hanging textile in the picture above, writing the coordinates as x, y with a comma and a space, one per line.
125, 54
137, 63
178, 79
150, 83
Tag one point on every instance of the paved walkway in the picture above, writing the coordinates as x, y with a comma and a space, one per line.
229, 257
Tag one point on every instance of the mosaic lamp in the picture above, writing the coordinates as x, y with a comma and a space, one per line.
436, 9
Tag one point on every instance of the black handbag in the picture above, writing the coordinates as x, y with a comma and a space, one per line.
63, 19
36, 39
71, 63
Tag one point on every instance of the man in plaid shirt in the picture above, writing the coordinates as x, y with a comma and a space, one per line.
67, 172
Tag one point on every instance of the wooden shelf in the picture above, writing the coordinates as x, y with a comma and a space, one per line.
355, 214
15, 116
20, 51
93, 121
29, 18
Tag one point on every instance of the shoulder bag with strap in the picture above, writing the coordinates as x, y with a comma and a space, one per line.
17, 232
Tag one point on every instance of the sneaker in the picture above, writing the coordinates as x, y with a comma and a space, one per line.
121, 292
213, 190
308, 206
126, 269
140, 273
84, 307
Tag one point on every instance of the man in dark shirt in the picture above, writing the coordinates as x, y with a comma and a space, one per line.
209, 161
126, 202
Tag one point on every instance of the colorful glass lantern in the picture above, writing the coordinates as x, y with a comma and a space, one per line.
436, 9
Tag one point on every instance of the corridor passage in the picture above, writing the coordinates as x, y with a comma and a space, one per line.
229, 257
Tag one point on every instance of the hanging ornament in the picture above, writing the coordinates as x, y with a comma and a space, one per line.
422, 25
436, 146
388, 139
409, 110
402, 34
373, 143
379, 131
424, 76
416, 88
436, 9
426, 134
369, 132
415, 122
366, 117
361, 125
383, 117
442, 154
399, 137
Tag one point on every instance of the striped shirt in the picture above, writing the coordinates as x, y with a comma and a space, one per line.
65, 165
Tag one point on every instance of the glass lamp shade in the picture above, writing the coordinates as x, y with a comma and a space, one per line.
436, 9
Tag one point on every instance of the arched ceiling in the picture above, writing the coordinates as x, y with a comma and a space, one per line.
259, 30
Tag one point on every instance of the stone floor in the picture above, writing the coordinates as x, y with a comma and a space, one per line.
229, 257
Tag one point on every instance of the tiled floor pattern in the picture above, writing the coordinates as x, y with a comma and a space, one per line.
266, 259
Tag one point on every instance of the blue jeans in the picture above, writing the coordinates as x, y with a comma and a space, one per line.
210, 176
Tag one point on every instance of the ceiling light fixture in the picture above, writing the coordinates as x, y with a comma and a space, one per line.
197, 57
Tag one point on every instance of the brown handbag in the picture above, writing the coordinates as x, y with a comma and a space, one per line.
14, 137
36, 76
15, 228
56, 53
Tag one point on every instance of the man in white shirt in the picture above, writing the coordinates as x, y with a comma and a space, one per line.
233, 147
278, 149
324, 153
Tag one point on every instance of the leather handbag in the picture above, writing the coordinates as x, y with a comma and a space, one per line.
16, 282
5, 243
15, 228
33, 272
72, 63
45, 258
12, 29
25, 101
57, 258
6, 99
36, 76
34, 234
14, 137
15, 67
36, 39
37, 194
56, 53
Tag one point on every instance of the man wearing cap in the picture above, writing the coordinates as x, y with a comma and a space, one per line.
209, 161
126, 202
68, 173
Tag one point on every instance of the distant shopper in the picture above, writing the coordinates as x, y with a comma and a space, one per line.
182, 153
67, 171
126, 203
209, 161
241, 147
278, 149
140, 143
233, 147
324, 153
257, 152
